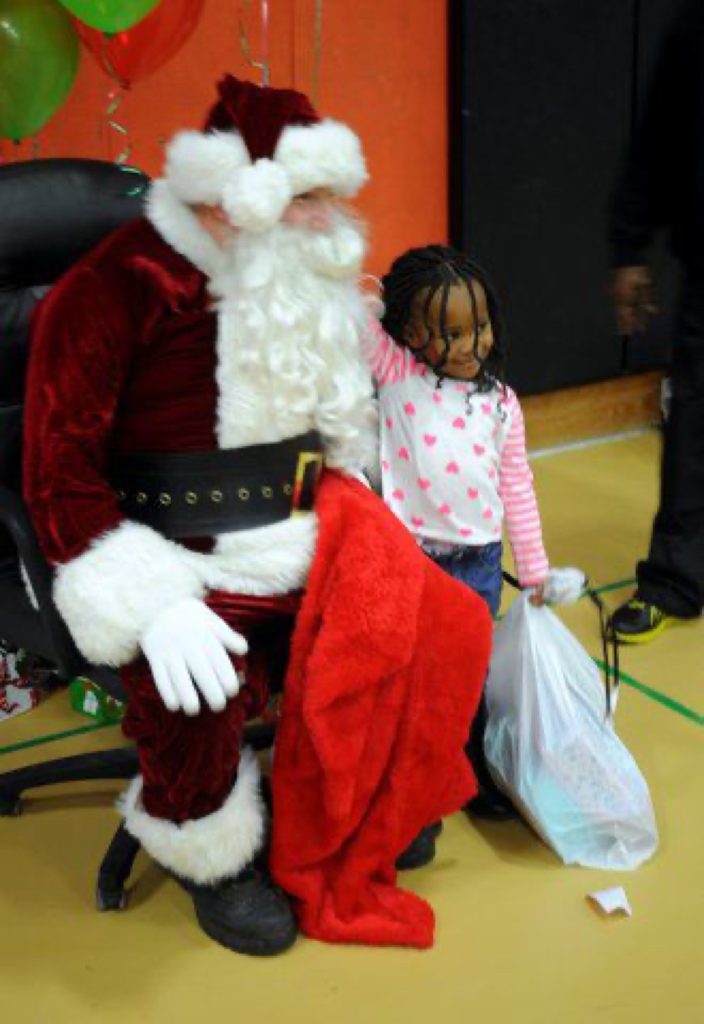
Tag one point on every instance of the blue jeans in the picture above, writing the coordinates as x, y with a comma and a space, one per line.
478, 568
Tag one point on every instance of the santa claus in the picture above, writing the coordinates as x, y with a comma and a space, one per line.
197, 413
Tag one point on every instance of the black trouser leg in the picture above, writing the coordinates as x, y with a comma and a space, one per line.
672, 576
475, 744
476, 755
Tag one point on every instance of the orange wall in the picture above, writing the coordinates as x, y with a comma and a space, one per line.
383, 71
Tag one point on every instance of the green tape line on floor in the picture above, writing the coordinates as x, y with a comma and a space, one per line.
39, 740
661, 698
614, 586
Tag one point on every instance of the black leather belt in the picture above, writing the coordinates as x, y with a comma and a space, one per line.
198, 494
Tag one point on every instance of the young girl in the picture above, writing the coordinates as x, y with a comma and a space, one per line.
453, 456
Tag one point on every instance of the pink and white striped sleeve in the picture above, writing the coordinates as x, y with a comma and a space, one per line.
520, 504
387, 361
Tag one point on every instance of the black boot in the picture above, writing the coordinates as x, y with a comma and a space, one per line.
247, 914
422, 850
490, 803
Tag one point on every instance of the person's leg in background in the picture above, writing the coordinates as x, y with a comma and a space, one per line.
671, 579
480, 569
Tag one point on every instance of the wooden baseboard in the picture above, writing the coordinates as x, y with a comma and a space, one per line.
593, 410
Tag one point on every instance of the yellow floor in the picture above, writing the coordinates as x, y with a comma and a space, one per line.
516, 940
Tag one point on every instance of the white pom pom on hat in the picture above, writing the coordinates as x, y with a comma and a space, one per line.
257, 196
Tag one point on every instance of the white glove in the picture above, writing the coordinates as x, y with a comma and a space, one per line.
564, 586
186, 646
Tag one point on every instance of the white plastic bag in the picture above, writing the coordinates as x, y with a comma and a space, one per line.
551, 749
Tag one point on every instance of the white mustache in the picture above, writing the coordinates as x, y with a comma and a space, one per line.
337, 253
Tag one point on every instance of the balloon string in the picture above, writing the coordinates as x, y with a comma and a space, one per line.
317, 49
263, 64
265, 42
114, 101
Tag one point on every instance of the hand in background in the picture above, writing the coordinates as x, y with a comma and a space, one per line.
632, 294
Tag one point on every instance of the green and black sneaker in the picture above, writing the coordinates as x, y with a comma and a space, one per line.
637, 622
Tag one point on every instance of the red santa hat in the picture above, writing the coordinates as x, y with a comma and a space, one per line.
259, 148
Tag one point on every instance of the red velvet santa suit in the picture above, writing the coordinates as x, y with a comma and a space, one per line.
128, 356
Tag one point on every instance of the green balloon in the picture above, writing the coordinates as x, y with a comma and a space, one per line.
39, 55
110, 15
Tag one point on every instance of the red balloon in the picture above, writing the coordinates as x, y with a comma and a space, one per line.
137, 52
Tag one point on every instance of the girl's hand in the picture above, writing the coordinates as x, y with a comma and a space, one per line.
560, 586
564, 586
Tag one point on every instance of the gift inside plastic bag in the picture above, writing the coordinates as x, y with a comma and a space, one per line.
551, 747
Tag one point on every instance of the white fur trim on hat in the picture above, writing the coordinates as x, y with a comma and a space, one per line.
255, 198
204, 850
325, 155
176, 222
111, 593
199, 165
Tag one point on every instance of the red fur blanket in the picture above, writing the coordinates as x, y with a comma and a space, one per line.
387, 665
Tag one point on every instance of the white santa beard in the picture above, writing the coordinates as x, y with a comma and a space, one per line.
289, 360
290, 317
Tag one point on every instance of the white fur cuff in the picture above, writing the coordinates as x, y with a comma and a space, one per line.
204, 850
112, 592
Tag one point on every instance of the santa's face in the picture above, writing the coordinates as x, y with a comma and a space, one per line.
215, 221
315, 228
313, 210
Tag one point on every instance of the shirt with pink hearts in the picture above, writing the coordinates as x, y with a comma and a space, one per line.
453, 459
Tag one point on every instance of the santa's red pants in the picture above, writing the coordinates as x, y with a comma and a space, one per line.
189, 764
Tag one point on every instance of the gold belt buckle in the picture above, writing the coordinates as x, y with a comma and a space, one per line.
308, 469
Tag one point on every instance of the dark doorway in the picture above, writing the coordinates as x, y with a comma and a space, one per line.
543, 94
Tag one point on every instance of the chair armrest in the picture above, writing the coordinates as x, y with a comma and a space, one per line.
15, 517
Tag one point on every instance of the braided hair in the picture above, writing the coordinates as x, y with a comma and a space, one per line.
435, 269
